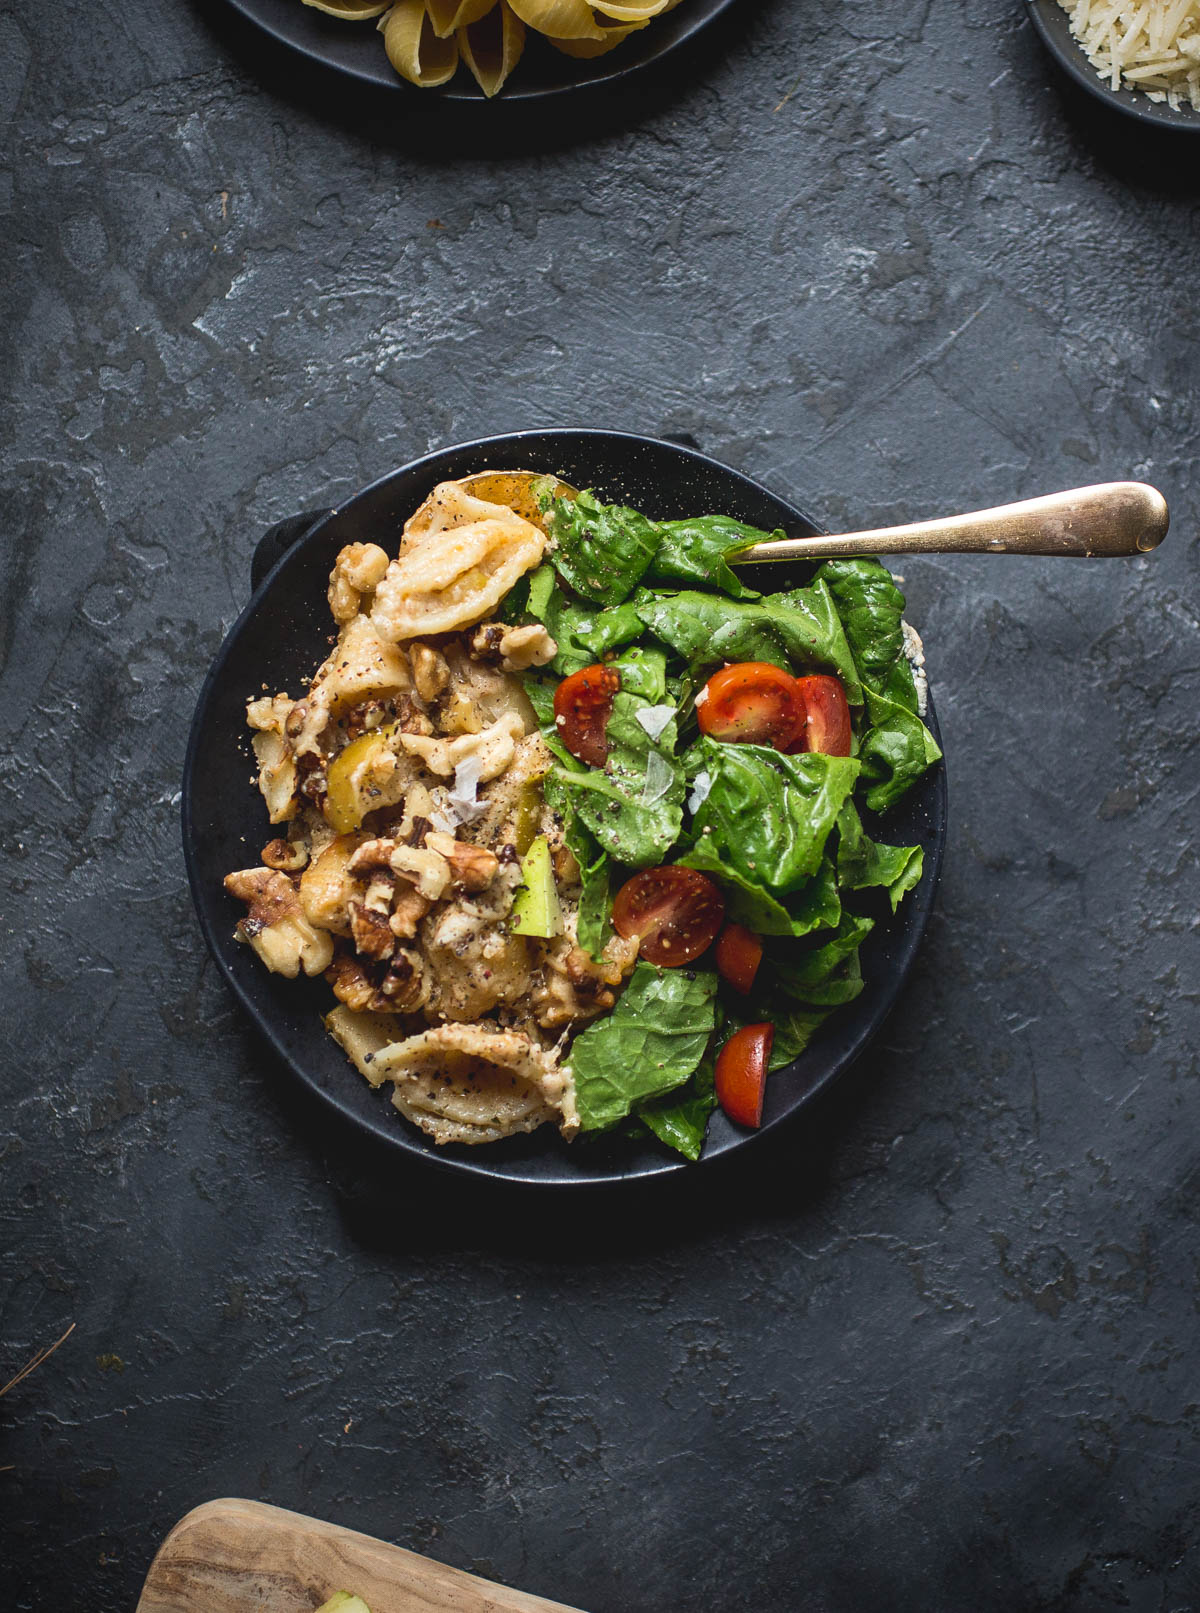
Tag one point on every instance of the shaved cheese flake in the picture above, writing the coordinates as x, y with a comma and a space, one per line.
462, 799
659, 777
701, 786
654, 719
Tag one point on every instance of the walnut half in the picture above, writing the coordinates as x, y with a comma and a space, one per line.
276, 926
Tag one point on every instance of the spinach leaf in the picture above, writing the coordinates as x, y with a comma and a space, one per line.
694, 551
871, 607
816, 906
681, 1118
805, 973
795, 1025
767, 816
634, 805
601, 550
583, 634
863, 862
799, 987
649, 1045
609, 630
794, 1030
895, 750
896, 747
797, 629
540, 690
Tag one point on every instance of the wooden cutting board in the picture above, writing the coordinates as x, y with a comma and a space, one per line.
243, 1557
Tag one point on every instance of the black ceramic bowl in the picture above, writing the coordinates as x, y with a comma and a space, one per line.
280, 637
1054, 29
356, 50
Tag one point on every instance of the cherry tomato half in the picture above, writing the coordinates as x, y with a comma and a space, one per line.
741, 1073
827, 728
739, 953
582, 706
676, 912
752, 703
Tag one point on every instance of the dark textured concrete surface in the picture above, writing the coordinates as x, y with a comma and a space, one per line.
938, 1351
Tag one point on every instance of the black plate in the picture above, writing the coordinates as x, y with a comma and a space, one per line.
277, 641
357, 50
1054, 28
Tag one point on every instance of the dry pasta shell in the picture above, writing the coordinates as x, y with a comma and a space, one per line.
492, 47
587, 49
448, 16
630, 10
560, 19
413, 48
350, 10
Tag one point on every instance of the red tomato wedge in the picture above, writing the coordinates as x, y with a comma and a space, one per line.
675, 912
582, 706
827, 728
752, 703
739, 953
741, 1073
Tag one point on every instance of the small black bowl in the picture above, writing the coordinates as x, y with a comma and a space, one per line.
280, 637
356, 50
1054, 29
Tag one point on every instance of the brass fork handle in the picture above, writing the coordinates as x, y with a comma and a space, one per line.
1110, 519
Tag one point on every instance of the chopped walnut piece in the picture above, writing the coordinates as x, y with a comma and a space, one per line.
408, 909
276, 926
278, 777
372, 854
431, 671
427, 870
523, 647
352, 985
358, 569
405, 987
372, 933
485, 641
285, 856
472, 868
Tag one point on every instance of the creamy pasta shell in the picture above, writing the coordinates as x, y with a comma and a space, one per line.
456, 568
472, 1084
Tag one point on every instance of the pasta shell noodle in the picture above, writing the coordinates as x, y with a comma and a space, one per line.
448, 16
350, 10
492, 47
456, 568
414, 49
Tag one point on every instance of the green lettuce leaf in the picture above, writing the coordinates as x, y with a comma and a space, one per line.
602, 550
816, 906
805, 973
896, 748
694, 552
648, 1046
768, 816
634, 805
863, 862
681, 1118
895, 751
794, 630
871, 607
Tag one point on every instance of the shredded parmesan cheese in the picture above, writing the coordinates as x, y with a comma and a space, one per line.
701, 786
659, 776
654, 719
1153, 45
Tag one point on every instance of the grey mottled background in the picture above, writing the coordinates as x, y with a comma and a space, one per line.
941, 1352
